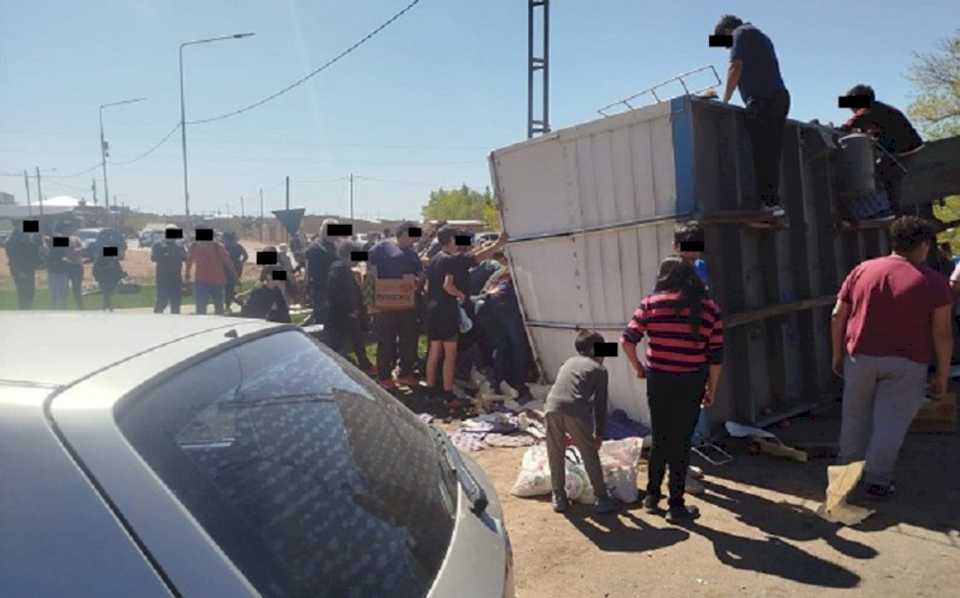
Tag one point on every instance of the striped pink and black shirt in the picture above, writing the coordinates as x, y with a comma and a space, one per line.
673, 347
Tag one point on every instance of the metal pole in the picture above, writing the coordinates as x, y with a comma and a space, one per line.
241, 208
93, 189
546, 66
103, 163
26, 182
351, 197
39, 191
261, 215
288, 204
530, 69
183, 139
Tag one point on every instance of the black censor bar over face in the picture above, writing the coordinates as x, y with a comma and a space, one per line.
414, 232
605, 349
339, 230
31, 226
854, 102
110, 251
204, 234
464, 240
691, 246
61, 241
266, 258
359, 256
173, 233
720, 41
279, 275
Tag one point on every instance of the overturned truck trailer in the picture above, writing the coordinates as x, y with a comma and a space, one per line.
590, 212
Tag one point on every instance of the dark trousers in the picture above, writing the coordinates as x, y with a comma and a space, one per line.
26, 283
107, 289
674, 401
169, 292
397, 335
345, 335
765, 118
76, 284
205, 293
580, 432
230, 292
319, 305
510, 355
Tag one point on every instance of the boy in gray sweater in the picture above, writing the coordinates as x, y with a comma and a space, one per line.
577, 407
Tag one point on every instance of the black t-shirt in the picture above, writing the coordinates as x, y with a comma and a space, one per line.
57, 262
888, 125
319, 259
440, 266
169, 258
345, 295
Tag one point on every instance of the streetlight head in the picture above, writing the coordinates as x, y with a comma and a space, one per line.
239, 35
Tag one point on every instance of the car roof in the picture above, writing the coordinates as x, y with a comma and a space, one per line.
55, 348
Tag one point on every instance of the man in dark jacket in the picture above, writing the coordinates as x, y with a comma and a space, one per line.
892, 131
343, 328
239, 256
321, 254
266, 300
24, 255
755, 71
169, 257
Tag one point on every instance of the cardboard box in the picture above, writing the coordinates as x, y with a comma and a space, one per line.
937, 416
392, 294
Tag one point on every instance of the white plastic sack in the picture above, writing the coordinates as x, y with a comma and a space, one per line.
534, 477
621, 483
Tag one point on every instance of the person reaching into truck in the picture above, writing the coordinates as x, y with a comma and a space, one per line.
576, 407
755, 71
891, 319
344, 327
443, 314
892, 132
684, 357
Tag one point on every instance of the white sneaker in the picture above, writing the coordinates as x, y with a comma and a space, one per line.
508, 390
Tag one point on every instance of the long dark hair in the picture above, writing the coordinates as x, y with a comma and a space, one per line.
676, 275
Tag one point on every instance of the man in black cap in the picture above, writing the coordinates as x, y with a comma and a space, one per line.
755, 71
169, 257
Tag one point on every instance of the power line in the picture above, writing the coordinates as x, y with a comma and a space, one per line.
71, 176
396, 182
151, 150
325, 66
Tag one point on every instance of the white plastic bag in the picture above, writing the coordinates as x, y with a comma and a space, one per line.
620, 460
534, 476
621, 483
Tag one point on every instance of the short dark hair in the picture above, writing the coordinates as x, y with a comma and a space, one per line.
403, 229
861, 89
447, 234
587, 341
908, 232
688, 232
727, 24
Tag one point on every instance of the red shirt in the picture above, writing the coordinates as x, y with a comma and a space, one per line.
212, 260
891, 308
673, 347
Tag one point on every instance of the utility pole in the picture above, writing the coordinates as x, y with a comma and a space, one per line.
39, 191
261, 214
26, 182
351, 197
93, 187
288, 203
242, 215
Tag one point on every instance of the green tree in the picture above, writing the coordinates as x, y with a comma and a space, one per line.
462, 204
937, 110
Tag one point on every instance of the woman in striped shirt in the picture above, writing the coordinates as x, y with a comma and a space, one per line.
684, 356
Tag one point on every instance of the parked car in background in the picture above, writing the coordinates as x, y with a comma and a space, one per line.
88, 236
92, 239
150, 234
486, 236
225, 457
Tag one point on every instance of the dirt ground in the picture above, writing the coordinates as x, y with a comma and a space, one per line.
757, 535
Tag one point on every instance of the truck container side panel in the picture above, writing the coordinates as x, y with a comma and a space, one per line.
588, 196
664, 175
534, 175
546, 274
683, 152
624, 181
642, 166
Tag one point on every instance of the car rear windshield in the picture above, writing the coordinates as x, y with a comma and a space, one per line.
311, 480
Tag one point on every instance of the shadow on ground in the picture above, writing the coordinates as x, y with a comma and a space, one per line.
926, 497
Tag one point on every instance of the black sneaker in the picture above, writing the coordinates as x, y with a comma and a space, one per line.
651, 503
560, 502
681, 513
604, 505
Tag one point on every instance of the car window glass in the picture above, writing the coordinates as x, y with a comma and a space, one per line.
312, 482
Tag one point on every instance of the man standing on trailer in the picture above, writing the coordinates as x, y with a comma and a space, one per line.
755, 71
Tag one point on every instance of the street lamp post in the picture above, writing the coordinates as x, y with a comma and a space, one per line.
183, 110
103, 150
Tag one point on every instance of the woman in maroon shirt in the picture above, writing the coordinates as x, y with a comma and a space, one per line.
684, 357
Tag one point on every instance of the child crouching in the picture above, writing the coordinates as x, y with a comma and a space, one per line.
577, 407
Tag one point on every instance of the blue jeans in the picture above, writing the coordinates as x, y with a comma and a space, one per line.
206, 292
58, 283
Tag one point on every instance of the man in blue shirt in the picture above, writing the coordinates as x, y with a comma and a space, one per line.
396, 330
755, 71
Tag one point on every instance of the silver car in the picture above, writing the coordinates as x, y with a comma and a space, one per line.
145, 455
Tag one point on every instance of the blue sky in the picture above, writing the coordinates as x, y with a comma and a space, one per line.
420, 106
